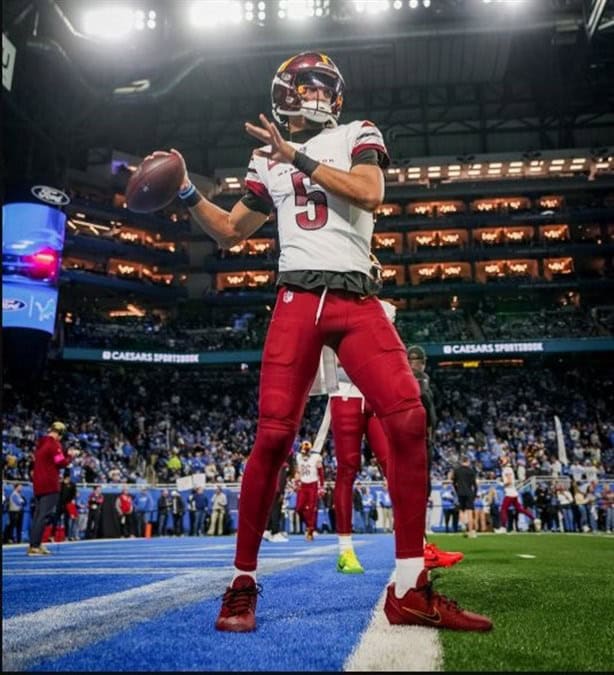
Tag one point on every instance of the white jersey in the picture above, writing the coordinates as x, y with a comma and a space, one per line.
509, 489
308, 466
318, 230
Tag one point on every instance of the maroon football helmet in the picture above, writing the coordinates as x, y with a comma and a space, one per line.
308, 69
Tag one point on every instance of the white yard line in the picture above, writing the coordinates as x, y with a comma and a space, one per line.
386, 648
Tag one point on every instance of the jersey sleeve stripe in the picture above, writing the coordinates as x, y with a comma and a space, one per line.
369, 146
368, 134
259, 190
383, 153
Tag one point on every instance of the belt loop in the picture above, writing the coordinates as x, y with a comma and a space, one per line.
321, 304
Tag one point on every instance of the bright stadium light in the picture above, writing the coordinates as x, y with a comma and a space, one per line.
109, 23
296, 10
371, 6
213, 13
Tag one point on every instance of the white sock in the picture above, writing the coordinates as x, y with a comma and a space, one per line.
345, 543
241, 573
407, 572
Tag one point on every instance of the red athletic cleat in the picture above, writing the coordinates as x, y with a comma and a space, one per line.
422, 606
435, 557
238, 612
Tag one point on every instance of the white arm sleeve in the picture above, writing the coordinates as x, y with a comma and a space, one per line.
318, 444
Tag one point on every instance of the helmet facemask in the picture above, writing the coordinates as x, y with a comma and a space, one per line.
288, 92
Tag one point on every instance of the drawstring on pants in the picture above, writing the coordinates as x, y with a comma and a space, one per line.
321, 304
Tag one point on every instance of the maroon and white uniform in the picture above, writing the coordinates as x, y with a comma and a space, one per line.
324, 241
510, 497
317, 230
311, 476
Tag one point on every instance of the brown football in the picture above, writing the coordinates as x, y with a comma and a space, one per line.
154, 184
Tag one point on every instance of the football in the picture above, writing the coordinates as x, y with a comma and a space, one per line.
154, 184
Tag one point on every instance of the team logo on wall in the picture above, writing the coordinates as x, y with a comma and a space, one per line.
50, 195
12, 305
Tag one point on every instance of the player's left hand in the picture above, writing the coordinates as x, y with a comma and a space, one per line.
268, 133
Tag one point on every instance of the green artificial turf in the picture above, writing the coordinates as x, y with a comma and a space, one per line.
553, 612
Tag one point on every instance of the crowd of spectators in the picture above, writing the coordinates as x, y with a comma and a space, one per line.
566, 322
138, 424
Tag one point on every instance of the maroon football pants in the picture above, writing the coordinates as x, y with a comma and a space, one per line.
307, 504
351, 419
515, 502
375, 359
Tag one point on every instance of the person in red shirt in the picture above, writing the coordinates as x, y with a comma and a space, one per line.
49, 459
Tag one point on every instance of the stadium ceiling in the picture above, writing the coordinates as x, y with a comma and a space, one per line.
441, 78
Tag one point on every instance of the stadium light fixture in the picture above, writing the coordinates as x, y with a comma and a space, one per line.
298, 10
213, 13
109, 23
371, 7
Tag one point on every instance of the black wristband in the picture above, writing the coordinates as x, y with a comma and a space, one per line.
305, 164
190, 196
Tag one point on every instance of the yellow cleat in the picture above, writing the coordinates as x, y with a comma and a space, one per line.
348, 563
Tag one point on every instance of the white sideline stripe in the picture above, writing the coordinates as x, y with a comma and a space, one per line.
105, 571
49, 561
386, 648
52, 632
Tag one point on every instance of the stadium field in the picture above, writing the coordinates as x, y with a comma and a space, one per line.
149, 605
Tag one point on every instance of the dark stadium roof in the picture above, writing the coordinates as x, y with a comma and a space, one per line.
458, 60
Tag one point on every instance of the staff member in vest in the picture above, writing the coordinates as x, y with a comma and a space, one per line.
49, 459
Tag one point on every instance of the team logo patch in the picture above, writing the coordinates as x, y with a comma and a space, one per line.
288, 296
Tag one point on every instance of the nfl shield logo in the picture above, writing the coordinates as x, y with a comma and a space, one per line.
288, 296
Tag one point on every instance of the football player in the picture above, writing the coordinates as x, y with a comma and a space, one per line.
325, 180
309, 484
352, 417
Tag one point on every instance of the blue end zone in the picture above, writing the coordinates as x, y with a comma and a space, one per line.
310, 617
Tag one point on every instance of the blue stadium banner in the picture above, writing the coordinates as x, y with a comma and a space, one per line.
520, 347
451, 350
122, 355
32, 243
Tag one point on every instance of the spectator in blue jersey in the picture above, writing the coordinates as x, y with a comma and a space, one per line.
449, 505
202, 507
143, 509
16, 509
